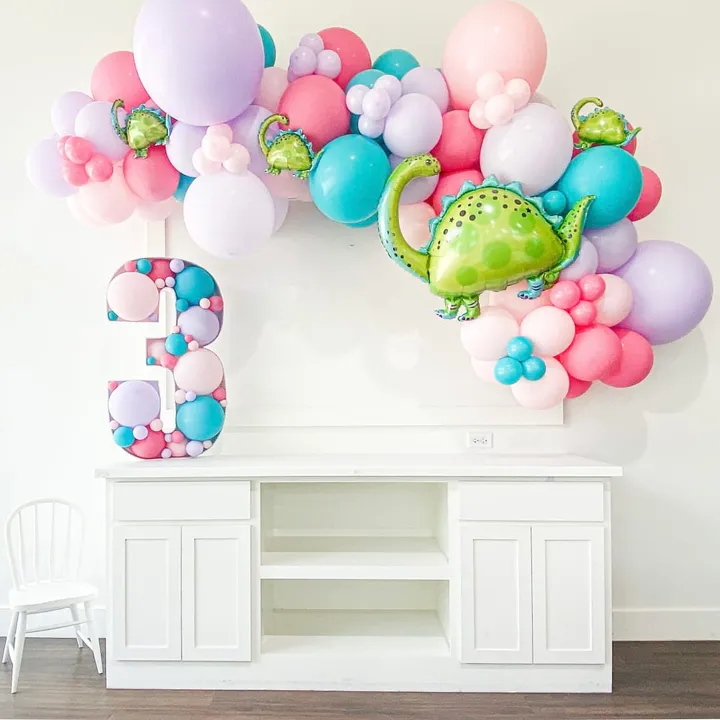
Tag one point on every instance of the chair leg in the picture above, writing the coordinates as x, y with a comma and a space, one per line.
10, 637
19, 646
76, 618
93, 636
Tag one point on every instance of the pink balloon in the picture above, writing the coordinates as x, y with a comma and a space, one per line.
519, 309
116, 78
80, 214
577, 388
545, 393
153, 178
200, 372
616, 302
133, 296
484, 369
460, 143
650, 196
550, 329
75, 175
157, 211
593, 352
287, 186
486, 337
149, 448
110, 202
273, 85
78, 150
592, 287
584, 313
450, 184
99, 168
500, 35
565, 295
636, 361
353, 52
414, 221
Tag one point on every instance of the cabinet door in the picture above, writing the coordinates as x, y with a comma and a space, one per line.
495, 594
216, 593
146, 593
569, 595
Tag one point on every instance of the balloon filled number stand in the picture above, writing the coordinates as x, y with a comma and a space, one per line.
479, 187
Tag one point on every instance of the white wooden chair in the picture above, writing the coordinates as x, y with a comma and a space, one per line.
45, 542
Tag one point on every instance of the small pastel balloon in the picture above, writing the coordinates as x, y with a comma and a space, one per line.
577, 388
520, 348
200, 372
518, 308
593, 353
477, 116
303, 61
370, 127
649, 197
391, 85
99, 168
413, 126
549, 329
140, 432
329, 64
414, 223
354, 98
615, 244
134, 403
94, 123
508, 371
123, 437
272, 86
450, 184
65, 109
426, 81
312, 41
194, 448
78, 150
486, 337
484, 369
396, 62
584, 313
565, 295
376, 104
133, 297
417, 190
75, 175
554, 202
592, 287
489, 85
222, 130
203, 164
499, 110
636, 361
547, 392
216, 148
245, 132
534, 368
585, 264
238, 159
460, 142
519, 92
616, 302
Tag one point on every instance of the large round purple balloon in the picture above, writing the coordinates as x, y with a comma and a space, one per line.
94, 123
200, 60
203, 325
184, 141
44, 168
586, 263
672, 291
417, 190
413, 126
134, 403
245, 131
65, 109
615, 244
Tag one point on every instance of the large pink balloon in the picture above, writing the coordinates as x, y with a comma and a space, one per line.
486, 337
550, 329
273, 85
200, 372
593, 353
484, 369
110, 202
545, 393
636, 361
500, 35
115, 77
153, 178
616, 302
509, 300
133, 296
414, 221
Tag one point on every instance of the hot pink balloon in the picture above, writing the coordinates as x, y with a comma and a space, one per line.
272, 86
116, 78
414, 221
99, 168
110, 202
78, 150
450, 184
650, 196
486, 337
460, 143
584, 313
565, 295
353, 52
500, 35
545, 393
636, 361
593, 353
518, 308
616, 302
153, 178
550, 330
577, 388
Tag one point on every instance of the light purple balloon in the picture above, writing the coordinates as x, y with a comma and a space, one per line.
65, 110
314, 42
355, 96
413, 126
585, 264
94, 123
369, 127
672, 291
184, 141
194, 448
202, 324
201, 61
134, 403
391, 85
44, 169
615, 244
245, 131
417, 190
430, 82
376, 104
329, 64
303, 61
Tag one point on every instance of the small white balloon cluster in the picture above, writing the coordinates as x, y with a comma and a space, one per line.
373, 105
311, 58
498, 101
218, 152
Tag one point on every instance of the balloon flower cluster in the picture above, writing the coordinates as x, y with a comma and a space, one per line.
480, 187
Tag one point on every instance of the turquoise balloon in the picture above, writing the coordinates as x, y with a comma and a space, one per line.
193, 284
176, 344
396, 62
534, 368
349, 179
182, 188
268, 46
612, 175
202, 419
124, 437
554, 202
144, 266
507, 371
520, 349
372, 220
365, 77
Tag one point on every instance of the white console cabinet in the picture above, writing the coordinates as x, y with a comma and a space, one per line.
423, 573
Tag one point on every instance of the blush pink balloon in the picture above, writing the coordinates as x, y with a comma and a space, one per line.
110, 202
272, 86
133, 296
584, 313
545, 393
593, 353
460, 143
636, 361
450, 184
592, 287
414, 221
577, 388
115, 77
550, 330
518, 308
80, 214
486, 337
200, 372
565, 295
499, 110
616, 302
157, 211
287, 186
499, 35
650, 196
484, 369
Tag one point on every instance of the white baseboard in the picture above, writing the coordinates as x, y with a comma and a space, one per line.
49, 619
628, 624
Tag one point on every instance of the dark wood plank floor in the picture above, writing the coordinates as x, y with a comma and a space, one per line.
652, 680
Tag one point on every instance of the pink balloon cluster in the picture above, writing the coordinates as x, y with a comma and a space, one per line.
81, 164
498, 100
218, 151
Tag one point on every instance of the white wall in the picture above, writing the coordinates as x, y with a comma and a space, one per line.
640, 56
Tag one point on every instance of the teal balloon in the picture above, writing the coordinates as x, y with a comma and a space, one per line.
609, 173
143, 266
193, 284
507, 371
202, 419
554, 202
182, 188
534, 368
268, 46
520, 349
124, 437
349, 179
365, 77
396, 62
176, 344
372, 220
181, 305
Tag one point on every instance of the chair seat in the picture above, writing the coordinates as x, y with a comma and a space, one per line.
51, 596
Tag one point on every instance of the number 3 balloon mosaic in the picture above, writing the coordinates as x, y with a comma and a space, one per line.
480, 187
200, 399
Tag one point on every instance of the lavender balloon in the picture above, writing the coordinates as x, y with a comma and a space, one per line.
303, 61
329, 64
44, 169
672, 291
200, 60
430, 82
94, 123
413, 126
417, 190
134, 403
203, 325
66, 109
184, 141
585, 264
245, 131
314, 42
615, 244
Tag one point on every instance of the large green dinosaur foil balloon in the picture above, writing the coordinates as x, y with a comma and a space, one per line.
488, 237
603, 126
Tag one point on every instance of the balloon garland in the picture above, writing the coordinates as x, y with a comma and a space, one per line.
479, 186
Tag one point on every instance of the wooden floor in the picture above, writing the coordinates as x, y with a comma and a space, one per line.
652, 680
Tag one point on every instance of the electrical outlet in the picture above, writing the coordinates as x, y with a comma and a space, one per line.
480, 440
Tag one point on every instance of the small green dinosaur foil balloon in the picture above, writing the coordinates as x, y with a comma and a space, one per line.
488, 237
603, 126
289, 149
144, 127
